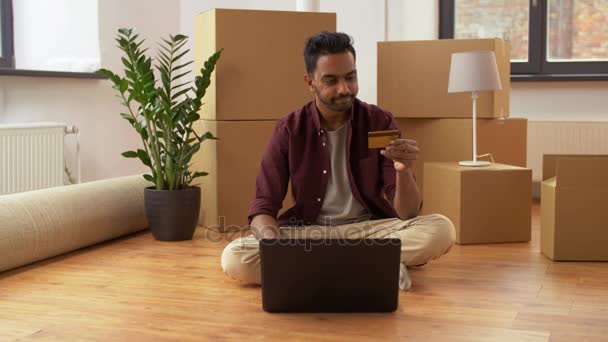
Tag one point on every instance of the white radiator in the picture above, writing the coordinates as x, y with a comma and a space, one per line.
31, 156
564, 137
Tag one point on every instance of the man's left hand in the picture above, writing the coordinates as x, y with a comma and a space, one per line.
403, 152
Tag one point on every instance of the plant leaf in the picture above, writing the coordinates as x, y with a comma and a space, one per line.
149, 178
143, 156
124, 85
129, 154
128, 118
199, 174
125, 31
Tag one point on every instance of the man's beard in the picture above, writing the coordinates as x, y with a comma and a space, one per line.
338, 103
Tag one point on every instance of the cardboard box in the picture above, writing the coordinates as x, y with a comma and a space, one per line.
233, 163
413, 79
451, 140
573, 207
260, 74
486, 204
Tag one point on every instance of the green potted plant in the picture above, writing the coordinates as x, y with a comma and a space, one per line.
162, 111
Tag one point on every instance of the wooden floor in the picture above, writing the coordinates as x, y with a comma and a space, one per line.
137, 289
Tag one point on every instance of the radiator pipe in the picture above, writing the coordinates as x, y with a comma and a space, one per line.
72, 129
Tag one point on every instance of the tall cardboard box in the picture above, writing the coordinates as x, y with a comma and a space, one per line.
233, 163
451, 140
413, 79
574, 215
260, 73
486, 204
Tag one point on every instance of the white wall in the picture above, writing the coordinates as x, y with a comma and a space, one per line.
90, 104
560, 101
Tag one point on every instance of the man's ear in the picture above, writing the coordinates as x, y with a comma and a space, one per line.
308, 80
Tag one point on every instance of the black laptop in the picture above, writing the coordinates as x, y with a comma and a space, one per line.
330, 275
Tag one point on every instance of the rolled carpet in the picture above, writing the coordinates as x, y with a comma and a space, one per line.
40, 224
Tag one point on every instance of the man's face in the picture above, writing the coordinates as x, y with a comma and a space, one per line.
334, 82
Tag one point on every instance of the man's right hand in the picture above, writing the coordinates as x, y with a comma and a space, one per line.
265, 227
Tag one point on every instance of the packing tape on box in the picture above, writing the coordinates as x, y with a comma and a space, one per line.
40, 224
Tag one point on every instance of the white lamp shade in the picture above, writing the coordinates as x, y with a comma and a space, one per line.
473, 71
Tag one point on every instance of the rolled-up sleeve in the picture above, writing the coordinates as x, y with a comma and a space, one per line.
273, 176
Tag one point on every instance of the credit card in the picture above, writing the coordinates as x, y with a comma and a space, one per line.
381, 139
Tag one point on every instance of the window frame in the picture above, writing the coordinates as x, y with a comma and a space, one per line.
538, 68
7, 60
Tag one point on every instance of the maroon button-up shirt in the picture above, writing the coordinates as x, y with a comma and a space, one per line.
298, 151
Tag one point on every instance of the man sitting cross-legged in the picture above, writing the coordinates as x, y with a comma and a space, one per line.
340, 187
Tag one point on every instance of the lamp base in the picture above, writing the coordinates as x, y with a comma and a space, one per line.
474, 163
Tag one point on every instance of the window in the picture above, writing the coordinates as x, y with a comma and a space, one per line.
50, 38
6, 34
550, 39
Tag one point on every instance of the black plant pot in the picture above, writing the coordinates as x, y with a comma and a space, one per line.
172, 214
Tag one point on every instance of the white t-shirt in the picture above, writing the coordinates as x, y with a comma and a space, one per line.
339, 205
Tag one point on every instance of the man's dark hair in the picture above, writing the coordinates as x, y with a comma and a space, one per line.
326, 43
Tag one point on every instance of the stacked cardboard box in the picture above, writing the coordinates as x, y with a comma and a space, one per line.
413, 81
258, 79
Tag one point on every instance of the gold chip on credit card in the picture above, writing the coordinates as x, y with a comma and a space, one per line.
381, 139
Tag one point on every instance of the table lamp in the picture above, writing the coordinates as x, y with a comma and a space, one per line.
473, 71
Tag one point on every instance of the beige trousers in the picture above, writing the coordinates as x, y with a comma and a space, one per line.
423, 238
